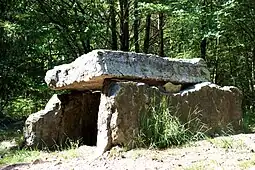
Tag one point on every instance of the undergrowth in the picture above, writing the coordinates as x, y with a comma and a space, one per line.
160, 126
18, 156
248, 120
11, 151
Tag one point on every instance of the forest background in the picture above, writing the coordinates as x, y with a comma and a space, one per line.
36, 35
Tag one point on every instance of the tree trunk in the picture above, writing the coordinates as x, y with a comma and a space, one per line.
114, 43
124, 25
216, 70
203, 27
252, 69
3, 57
146, 43
253, 78
161, 34
203, 48
136, 25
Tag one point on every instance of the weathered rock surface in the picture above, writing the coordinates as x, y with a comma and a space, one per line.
129, 84
123, 102
90, 70
68, 116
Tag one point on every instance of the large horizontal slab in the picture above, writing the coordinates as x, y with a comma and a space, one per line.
90, 70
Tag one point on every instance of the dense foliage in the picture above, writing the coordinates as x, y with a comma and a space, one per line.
36, 35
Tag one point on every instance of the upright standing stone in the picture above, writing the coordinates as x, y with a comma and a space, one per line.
66, 117
122, 103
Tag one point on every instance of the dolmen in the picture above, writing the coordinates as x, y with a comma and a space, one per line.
108, 91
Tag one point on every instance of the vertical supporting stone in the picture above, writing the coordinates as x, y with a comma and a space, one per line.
118, 116
122, 103
66, 117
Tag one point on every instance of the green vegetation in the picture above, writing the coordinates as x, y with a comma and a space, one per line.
160, 127
69, 144
11, 139
247, 163
37, 35
198, 166
11, 152
19, 156
10, 134
228, 143
22, 107
27, 156
202, 165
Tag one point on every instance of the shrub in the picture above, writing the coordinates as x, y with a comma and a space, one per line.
248, 120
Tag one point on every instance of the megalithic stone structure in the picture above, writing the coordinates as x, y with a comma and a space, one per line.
110, 90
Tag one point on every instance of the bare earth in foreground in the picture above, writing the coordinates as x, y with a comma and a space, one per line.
234, 152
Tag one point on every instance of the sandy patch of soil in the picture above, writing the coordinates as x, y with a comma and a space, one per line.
234, 152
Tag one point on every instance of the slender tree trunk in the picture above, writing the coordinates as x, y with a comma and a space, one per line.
248, 74
4, 96
114, 43
253, 69
253, 79
203, 43
88, 47
136, 25
203, 48
161, 34
2, 44
2, 54
217, 75
216, 71
121, 24
146, 43
124, 24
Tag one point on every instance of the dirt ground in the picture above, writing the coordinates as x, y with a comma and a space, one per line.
233, 152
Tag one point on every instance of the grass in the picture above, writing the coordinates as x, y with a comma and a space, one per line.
11, 131
28, 155
11, 139
10, 150
18, 156
248, 120
197, 166
160, 127
115, 152
203, 165
247, 163
67, 154
69, 150
227, 143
